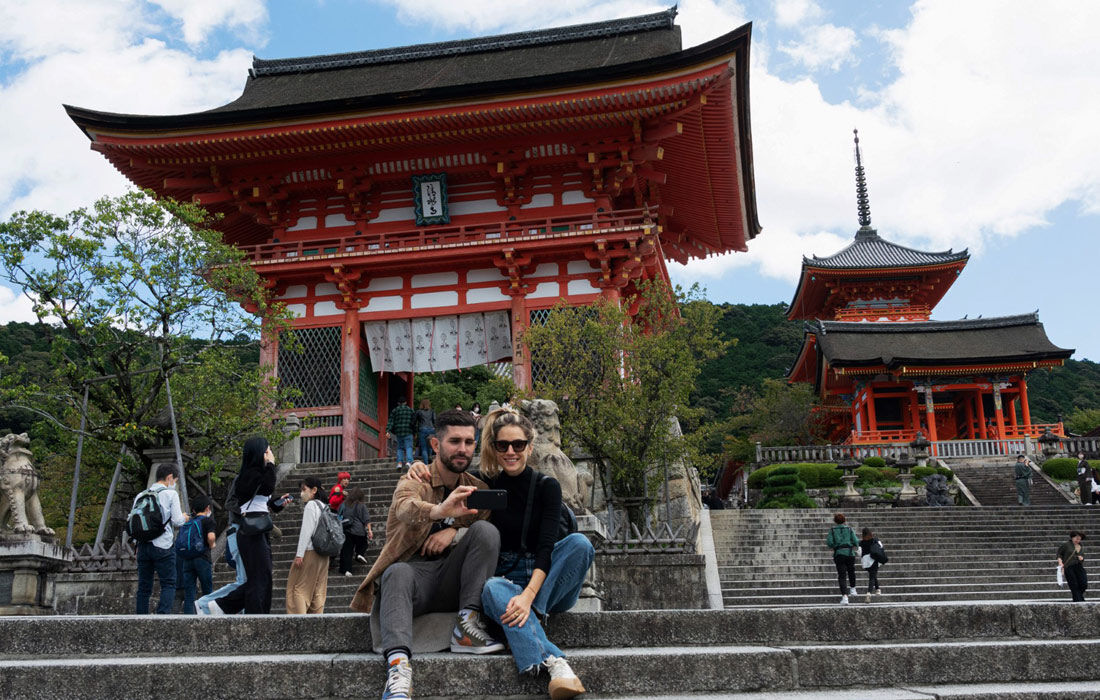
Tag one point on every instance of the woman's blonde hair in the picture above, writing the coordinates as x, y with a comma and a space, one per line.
493, 423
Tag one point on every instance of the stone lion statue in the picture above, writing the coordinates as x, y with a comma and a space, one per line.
19, 487
548, 458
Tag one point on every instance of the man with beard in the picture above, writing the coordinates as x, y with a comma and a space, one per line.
437, 557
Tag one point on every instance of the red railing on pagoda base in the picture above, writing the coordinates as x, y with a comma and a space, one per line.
444, 237
879, 437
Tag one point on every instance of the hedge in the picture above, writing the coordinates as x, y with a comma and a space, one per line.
876, 462
815, 476
1065, 468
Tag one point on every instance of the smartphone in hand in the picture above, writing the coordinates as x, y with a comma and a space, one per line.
488, 499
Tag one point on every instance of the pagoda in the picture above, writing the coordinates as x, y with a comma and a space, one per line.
883, 370
418, 207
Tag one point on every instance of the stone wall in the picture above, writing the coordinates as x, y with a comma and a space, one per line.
97, 592
672, 581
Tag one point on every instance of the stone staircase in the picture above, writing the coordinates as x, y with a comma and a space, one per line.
377, 477
992, 482
892, 651
778, 557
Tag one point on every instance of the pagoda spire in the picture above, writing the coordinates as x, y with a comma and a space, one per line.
863, 201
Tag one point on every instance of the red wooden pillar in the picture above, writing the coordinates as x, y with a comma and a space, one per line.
1012, 417
914, 411
930, 413
349, 383
872, 419
1023, 405
980, 407
968, 404
998, 410
521, 361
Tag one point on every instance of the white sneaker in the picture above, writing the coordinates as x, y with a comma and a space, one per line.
852, 592
215, 609
361, 558
399, 682
564, 684
347, 573
198, 610
843, 600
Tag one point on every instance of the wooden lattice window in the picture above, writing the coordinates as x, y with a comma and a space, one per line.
368, 387
313, 369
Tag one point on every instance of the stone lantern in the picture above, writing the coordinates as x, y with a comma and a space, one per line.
908, 494
851, 497
921, 447
1048, 442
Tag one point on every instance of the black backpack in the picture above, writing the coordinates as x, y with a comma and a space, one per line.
190, 543
878, 553
146, 520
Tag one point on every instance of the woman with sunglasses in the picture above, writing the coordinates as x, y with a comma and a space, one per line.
541, 575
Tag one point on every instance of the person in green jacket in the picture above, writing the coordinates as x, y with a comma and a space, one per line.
842, 540
1073, 565
1023, 481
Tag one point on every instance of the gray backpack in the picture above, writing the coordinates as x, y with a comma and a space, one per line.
328, 538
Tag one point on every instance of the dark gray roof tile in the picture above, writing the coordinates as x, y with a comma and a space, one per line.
869, 250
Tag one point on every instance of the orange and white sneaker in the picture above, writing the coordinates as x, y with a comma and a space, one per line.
564, 684
470, 636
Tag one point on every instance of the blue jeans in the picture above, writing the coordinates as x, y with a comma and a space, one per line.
569, 565
231, 543
150, 560
425, 445
198, 568
404, 449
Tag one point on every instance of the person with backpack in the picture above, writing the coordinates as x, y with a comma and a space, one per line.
842, 540
357, 530
254, 488
307, 582
193, 544
872, 555
155, 511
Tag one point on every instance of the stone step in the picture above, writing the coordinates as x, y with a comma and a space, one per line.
832, 597
961, 691
636, 670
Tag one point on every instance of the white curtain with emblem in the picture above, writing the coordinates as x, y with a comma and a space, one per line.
439, 343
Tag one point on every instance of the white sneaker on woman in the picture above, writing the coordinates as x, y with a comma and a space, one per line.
564, 684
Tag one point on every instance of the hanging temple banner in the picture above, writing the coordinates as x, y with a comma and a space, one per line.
439, 343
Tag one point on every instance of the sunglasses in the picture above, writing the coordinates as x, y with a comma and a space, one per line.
517, 445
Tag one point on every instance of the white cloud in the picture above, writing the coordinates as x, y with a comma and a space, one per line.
789, 13
106, 61
15, 306
200, 17
823, 46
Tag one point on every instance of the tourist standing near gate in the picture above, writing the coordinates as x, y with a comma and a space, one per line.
155, 511
400, 426
1023, 481
1072, 562
307, 582
425, 429
842, 540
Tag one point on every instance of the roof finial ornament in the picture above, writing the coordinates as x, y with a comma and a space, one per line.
862, 200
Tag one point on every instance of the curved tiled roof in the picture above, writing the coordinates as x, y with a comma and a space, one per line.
999, 339
868, 250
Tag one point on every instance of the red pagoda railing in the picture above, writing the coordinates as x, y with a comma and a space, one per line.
446, 236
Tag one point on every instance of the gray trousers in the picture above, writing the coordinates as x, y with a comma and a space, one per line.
450, 583
1023, 492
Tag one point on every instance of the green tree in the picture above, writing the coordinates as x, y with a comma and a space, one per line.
140, 291
1083, 420
619, 379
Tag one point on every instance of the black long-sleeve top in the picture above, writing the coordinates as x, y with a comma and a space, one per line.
542, 533
257, 482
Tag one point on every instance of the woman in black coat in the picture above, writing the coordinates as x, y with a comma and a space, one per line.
255, 486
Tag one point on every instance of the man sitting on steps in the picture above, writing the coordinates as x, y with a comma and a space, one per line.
437, 557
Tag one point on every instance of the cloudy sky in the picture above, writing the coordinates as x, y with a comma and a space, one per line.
978, 120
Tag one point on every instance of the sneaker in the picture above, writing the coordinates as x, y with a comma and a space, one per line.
470, 637
564, 684
199, 610
361, 558
399, 682
868, 596
347, 573
852, 591
878, 591
215, 609
843, 600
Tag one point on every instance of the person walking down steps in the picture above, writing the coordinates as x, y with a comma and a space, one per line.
1023, 481
842, 540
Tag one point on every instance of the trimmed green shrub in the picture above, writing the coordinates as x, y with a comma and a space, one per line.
1061, 468
921, 472
867, 476
815, 476
783, 489
946, 472
889, 474
876, 462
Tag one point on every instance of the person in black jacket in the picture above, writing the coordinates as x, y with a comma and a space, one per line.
255, 486
538, 573
357, 530
867, 547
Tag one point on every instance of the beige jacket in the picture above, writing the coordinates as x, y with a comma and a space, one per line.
408, 525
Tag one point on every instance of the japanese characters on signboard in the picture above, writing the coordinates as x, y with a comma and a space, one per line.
430, 199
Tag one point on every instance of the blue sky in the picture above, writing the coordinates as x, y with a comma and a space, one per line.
977, 120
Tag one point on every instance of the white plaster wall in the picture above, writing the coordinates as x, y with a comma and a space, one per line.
432, 299
579, 267
543, 290
545, 270
297, 310
484, 294
305, 223
582, 287
491, 274
383, 284
383, 304
435, 279
326, 288
294, 291
326, 308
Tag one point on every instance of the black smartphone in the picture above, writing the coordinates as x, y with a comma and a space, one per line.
488, 499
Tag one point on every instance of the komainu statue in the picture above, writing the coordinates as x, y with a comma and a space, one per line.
548, 458
19, 487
